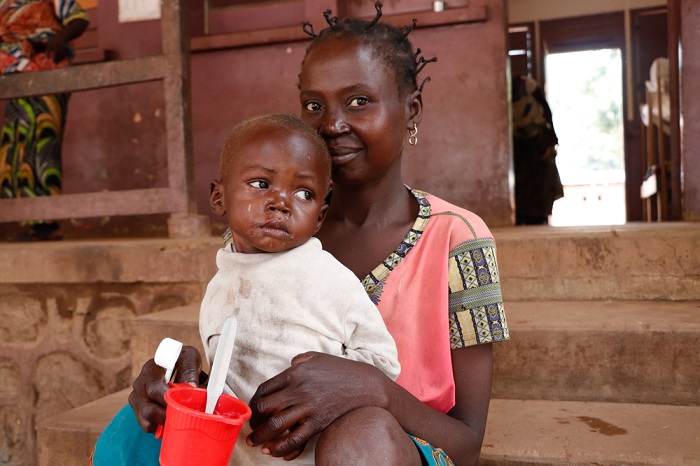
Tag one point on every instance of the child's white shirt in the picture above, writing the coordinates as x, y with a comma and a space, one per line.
286, 304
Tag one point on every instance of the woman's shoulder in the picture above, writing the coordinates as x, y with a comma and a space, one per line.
458, 221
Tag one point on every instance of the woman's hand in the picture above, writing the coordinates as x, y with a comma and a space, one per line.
147, 398
292, 407
56, 47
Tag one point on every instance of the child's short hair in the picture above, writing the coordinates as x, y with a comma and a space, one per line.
388, 42
269, 123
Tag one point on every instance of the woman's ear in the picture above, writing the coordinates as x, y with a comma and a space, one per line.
414, 103
216, 198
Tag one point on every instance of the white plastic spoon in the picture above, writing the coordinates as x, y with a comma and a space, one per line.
219, 366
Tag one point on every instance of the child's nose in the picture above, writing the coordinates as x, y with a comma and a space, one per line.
278, 202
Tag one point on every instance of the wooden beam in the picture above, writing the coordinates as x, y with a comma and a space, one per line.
100, 204
84, 77
425, 19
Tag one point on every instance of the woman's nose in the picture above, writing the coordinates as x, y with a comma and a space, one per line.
333, 125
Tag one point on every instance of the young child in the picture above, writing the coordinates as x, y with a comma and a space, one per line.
288, 295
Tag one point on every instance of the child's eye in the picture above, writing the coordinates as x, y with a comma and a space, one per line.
259, 184
359, 102
312, 106
304, 194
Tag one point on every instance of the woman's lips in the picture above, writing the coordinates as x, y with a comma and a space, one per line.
341, 155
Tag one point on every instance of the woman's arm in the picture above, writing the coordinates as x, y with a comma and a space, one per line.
57, 45
318, 389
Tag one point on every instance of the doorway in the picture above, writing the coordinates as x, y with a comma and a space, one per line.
584, 91
583, 75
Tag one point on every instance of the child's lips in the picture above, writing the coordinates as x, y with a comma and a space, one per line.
275, 227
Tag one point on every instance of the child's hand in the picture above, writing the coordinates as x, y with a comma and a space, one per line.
147, 398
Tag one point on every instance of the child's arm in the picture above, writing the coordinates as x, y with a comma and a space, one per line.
367, 338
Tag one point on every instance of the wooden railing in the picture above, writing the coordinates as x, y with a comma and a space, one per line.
173, 68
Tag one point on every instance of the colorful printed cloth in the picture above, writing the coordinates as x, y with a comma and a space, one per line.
23, 22
30, 146
32, 132
123, 443
439, 290
431, 456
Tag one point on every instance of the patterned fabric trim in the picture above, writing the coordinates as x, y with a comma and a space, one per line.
374, 282
476, 303
431, 456
227, 237
68, 10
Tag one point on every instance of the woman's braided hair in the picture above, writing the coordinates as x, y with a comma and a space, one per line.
388, 42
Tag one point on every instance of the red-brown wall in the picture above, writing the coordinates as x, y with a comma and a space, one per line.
115, 137
690, 104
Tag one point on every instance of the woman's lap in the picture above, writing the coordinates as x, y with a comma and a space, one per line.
124, 443
430, 455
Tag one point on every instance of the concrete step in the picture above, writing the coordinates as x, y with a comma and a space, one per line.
611, 351
519, 432
147, 331
68, 439
639, 261
634, 261
536, 432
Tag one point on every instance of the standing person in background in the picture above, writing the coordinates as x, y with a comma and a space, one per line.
537, 182
35, 35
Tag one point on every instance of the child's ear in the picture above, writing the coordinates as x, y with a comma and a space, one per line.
216, 198
321, 216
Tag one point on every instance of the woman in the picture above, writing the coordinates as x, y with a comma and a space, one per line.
438, 290
34, 36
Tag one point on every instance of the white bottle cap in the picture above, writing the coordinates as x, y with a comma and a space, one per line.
167, 354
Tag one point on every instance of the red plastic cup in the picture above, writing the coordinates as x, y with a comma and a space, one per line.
193, 438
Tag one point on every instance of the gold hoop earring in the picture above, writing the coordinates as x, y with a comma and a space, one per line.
412, 138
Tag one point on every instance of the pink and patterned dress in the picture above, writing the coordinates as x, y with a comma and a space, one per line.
30, 142
437, 292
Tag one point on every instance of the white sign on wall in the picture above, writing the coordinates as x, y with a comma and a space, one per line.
138, 10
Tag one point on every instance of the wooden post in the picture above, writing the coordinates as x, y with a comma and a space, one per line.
674, 31
662, 191
175, 34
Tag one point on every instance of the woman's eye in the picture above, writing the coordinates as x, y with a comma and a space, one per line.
359, 102
312, 106
259, 184
304, 194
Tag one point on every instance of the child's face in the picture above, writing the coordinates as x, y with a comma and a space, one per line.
274, 194
351, 97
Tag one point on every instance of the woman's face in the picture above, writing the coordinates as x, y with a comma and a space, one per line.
351, 97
